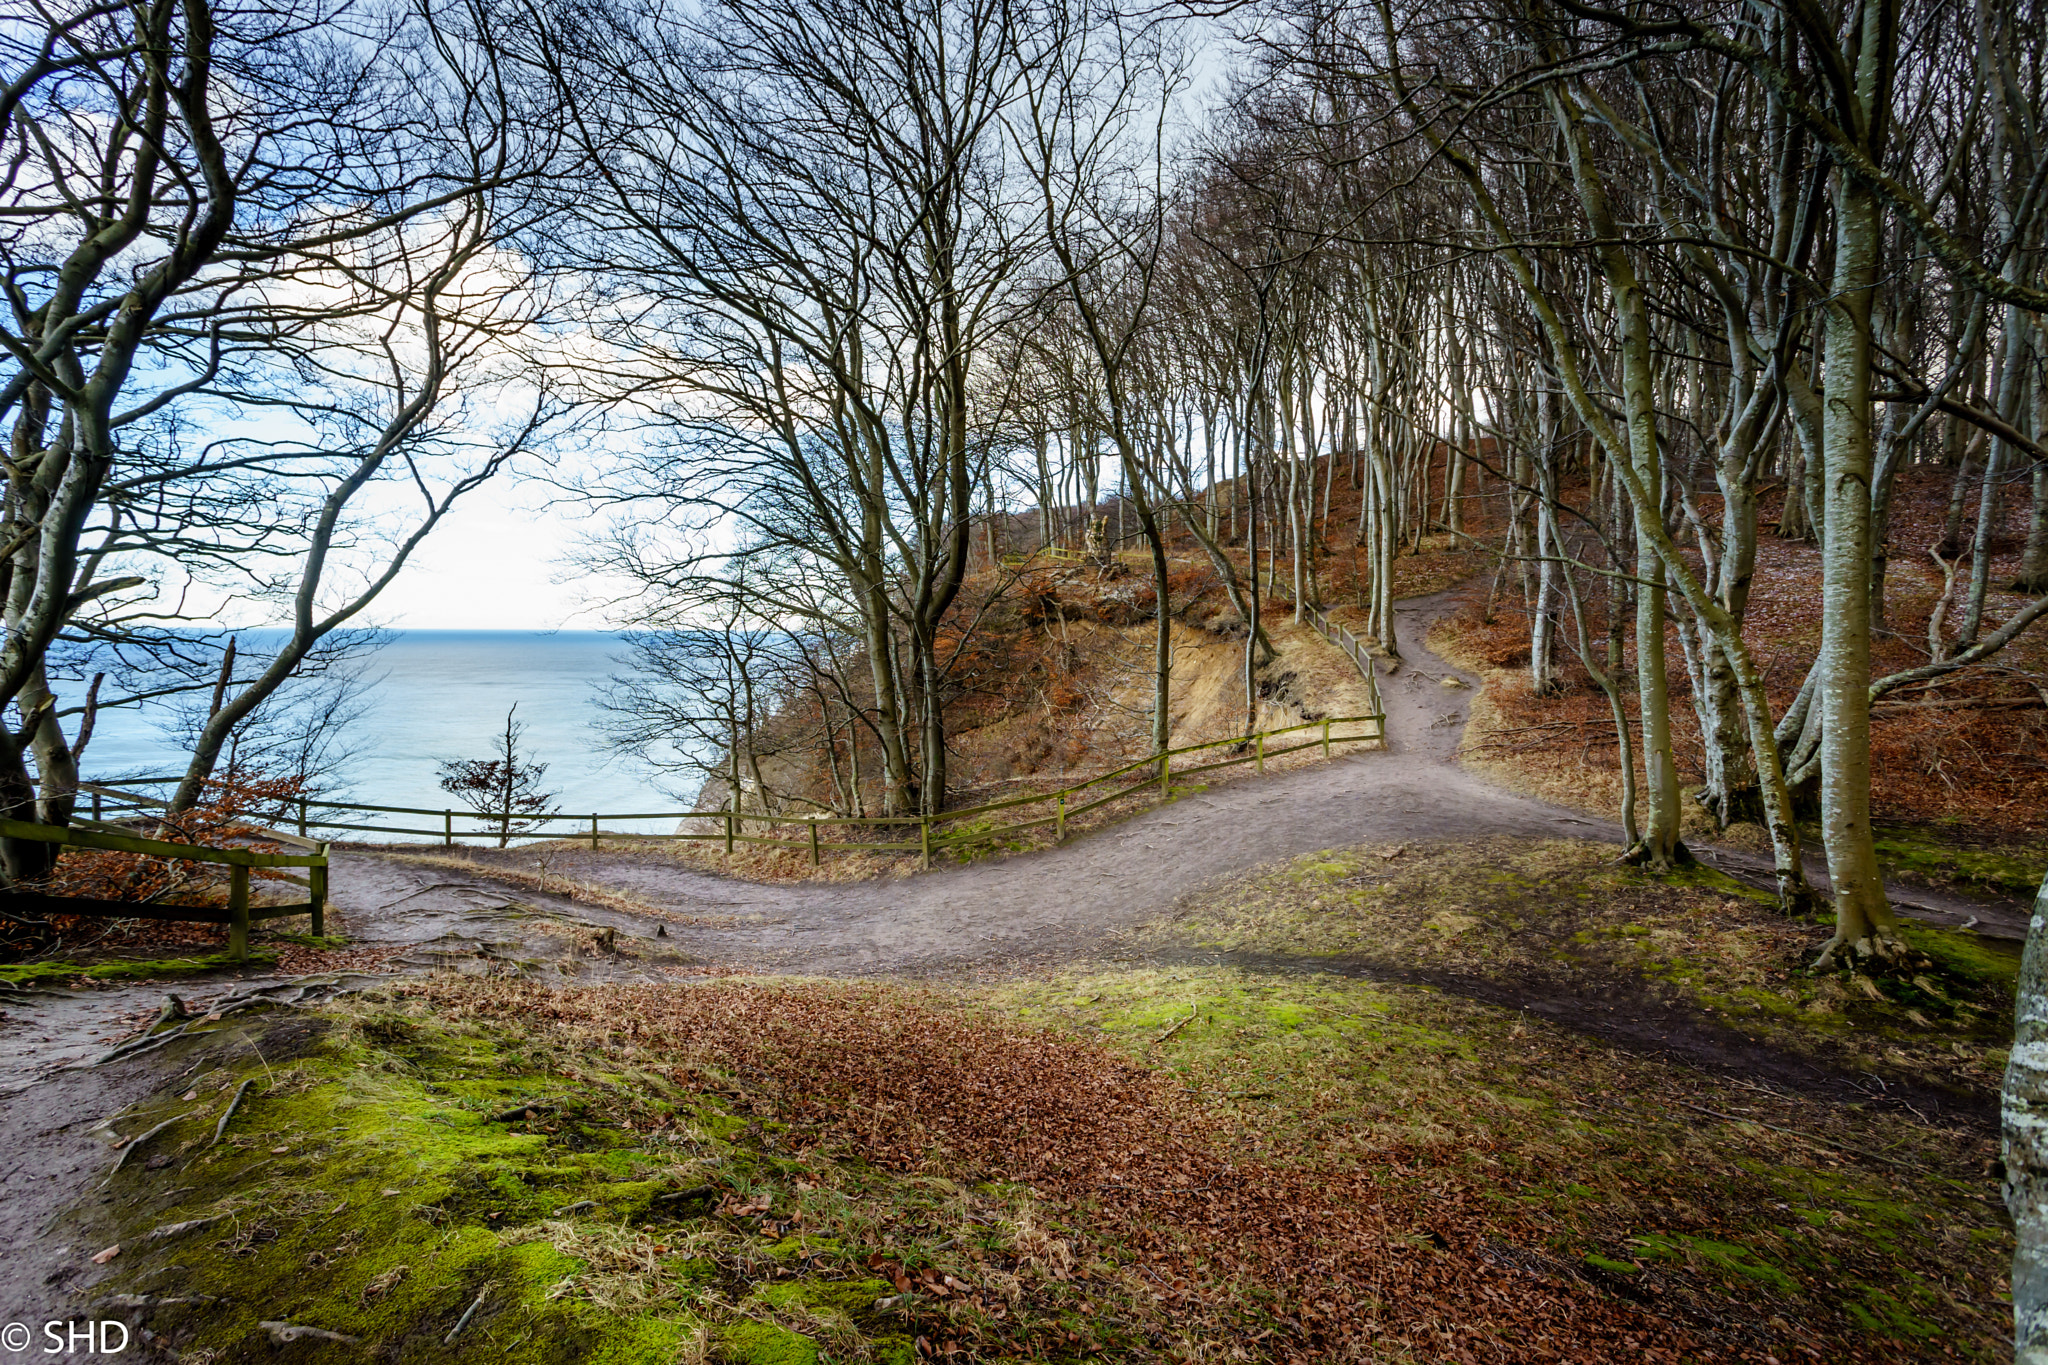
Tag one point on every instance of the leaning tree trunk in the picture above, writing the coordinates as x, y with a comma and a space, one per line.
2026, 1144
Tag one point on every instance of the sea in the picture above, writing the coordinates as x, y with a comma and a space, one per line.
443, 694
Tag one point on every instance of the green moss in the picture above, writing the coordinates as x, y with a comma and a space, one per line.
1324, 867
126, 969
764, 1343
1965, 956
1725, 1257
796, 1248
648, 1341
1923, 852
356, 1164
1613, 1267
1698, 874
1882, 1314
854, 1298
369, 1189
966, 841
310, 940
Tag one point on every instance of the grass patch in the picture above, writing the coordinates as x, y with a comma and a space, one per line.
1563, 915
61, 972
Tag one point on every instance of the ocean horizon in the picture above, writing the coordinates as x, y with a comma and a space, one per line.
442, 694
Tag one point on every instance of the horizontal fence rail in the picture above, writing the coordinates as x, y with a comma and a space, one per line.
922, 834
1063, 555
238, 913
919, 834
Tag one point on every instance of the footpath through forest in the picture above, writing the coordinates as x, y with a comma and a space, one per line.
997, 916
1040, 909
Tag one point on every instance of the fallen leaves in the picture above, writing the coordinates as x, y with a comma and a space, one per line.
1341, 1255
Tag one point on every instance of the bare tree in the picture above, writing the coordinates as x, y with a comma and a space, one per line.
806, 209
239, 161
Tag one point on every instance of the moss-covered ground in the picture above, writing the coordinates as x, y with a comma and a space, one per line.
61, 971
1169, 1163
1946, 854
406, 1165
1526, 920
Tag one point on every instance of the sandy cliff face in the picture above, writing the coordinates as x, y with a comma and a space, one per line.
1058, 682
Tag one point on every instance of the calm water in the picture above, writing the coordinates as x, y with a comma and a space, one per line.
443, 694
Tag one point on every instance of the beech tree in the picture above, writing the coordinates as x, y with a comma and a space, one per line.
1767, 211
804, 222
258, 180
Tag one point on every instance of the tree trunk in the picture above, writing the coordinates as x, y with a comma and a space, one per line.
1543, 612
2025, 1121
1863, 917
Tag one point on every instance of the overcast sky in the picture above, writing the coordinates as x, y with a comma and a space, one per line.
493, 565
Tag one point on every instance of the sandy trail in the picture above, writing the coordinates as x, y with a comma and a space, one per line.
1002, 916
1045, 907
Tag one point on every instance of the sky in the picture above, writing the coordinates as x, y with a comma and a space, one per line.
496, 563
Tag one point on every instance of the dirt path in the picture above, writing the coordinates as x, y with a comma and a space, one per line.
1033, 908
1036, 909
1002, 916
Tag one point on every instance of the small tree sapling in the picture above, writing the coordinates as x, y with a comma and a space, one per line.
504, 789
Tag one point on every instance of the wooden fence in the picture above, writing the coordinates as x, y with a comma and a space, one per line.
1061, 554
238, 914
1344, 640
922, 834
949, 829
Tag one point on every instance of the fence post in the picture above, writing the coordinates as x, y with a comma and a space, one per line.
238, 912
924, 841
1261, 741
96, 808
1059, 818
593, 832
814, 841
448, 828
728, 834
1165, 771
1326, 736
302, 817
316, 882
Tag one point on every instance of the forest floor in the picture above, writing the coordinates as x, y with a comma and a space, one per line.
1959, 766
1370, 1059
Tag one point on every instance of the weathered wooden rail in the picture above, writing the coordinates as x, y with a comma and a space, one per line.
948, 829
238, 914
923, 834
